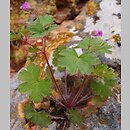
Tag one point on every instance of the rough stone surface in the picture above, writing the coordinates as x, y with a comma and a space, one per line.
110, 113
109, 22
15, 97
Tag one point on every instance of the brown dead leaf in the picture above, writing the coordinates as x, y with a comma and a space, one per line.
43, 105
83, 128
90, 103
27, 127
92, 106
34, 127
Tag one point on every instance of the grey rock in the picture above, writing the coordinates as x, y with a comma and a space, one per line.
110, 112
15, 97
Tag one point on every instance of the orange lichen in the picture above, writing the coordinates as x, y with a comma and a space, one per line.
44, 128
116, 38
27, 126
55, 94
42, 105
92, 8
55, 39
21, 107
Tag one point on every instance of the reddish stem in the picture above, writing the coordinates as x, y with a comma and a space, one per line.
58, 102
86, 97
66, 90
85, 82
72, 92
54, 80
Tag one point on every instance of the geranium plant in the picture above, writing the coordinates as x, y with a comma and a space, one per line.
82, 85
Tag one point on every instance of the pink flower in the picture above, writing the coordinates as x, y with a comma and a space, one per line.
25, 6
99, 33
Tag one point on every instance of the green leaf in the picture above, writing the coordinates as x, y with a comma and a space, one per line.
23, 31
42, 26
46, 19
32, 57
35, 28
101, 89
56, 56
104, 71
48, 72
95, 45
18, 36
75, 117
38, 118
14, 37
106, 80
98, 101
74, 63
33, 49
42, 32
37, 89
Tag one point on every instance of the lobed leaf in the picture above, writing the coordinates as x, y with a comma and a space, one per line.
46, 19
42, 26
37, 89
101, 89
35, 28
18, 36
56, 56
39, 118
106, 80
95, 45
75, 117
74, 63
104, 71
